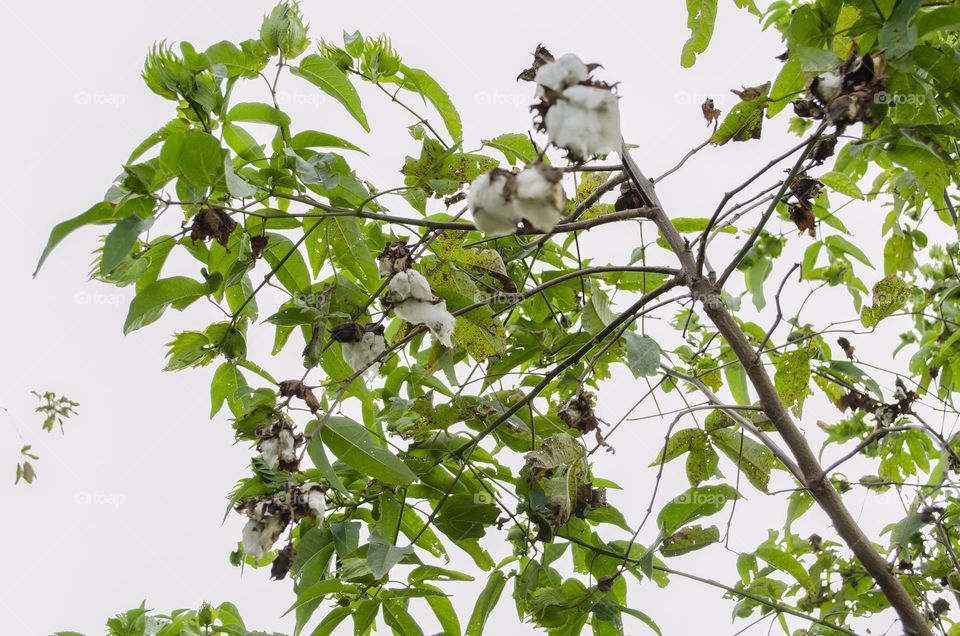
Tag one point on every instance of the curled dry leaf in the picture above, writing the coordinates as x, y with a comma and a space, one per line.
212, 222
297, 389
710, 112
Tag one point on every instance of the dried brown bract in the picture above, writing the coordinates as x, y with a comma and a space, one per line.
297, 389
212, 222
710, 112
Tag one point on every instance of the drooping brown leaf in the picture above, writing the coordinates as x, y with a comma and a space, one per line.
747, 93
257, 245
848, 348
282, 562
801, 213
297, 389
541, 56
710, 112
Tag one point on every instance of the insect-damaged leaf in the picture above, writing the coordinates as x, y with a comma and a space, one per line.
745, 120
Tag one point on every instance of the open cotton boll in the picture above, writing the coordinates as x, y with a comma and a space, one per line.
270, 532
568, 70
409, 284
585, 121
539, 196
364, 353
434, 316
313, 496
490, 202
252, 532
826, 86
286, 446
270, 452
259, 535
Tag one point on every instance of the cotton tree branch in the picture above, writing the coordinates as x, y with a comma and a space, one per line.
810, 142
813, 476
776, 322
744, 423
786, 609
740, 188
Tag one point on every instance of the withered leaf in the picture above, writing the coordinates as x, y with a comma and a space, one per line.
710, 112
747, 93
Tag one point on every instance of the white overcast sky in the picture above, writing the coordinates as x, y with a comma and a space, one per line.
143, 450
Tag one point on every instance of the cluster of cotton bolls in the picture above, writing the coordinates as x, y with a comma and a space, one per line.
410, 296
268, 517
502, 201
579, 114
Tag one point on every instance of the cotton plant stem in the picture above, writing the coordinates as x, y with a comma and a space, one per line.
813, 477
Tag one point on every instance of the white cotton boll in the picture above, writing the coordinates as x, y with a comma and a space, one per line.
419, 287
490, 203
434, 317
287, 450
314, 499
385, 268
362, 354
252, 533
539, 197
409, 284
585, 121
272, 527
565, 72
270, 452
827, 86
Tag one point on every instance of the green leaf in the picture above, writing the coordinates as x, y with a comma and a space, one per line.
792, 378
889, 296
319, 459
465, 517
120, 241
227, 380
395, 615
485, 603
259, 113
692, 505
744, 121
788, 85
100, 214
754, 459
841, 183
352, 445
431, 90
316, 139
194, 155
787, 563
841, 244
291, 269
382, 556
643, 618
689, 539
898, 36
328, 77
701, 17
643, 354
150, 303
514, 146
